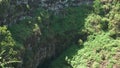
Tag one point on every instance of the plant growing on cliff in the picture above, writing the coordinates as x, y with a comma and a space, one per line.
102, 45
7, 48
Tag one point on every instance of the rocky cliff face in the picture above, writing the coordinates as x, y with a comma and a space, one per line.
18, 9
36, 49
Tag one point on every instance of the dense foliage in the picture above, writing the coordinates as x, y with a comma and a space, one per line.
7, 48
46, 29
101, 49
93, 37
102, 46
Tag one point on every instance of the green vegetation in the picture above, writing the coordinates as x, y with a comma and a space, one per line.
91, 33
98, 50
20, 34
60, 62
50, 28
101, 49
8, 52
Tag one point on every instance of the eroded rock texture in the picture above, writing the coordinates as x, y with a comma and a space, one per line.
36, 50
14, 10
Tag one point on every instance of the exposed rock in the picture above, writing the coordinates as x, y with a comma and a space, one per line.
17, 8
35, 51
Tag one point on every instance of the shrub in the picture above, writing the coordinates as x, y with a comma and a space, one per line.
93, 23
100, 47
7, 48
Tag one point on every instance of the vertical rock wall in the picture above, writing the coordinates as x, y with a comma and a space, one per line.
36, 51
14, 10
